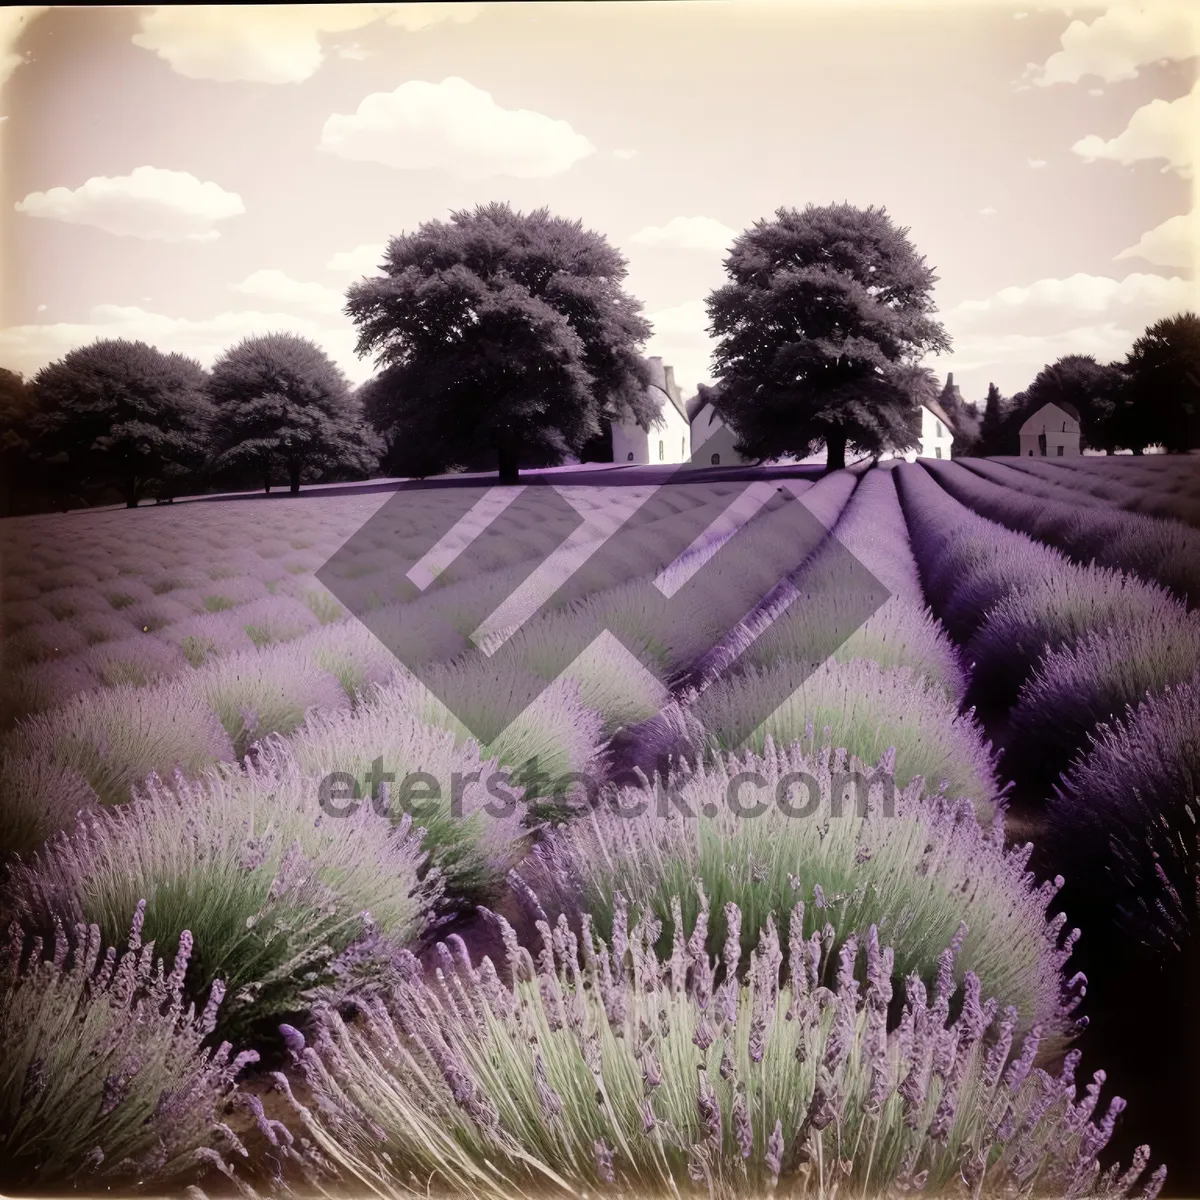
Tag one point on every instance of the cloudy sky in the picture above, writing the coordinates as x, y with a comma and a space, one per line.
191, 175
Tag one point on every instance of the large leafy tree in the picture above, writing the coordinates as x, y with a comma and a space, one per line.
819, 330
16, 413
1088, 386
122, 414
500, 334
1160, 401
283, 407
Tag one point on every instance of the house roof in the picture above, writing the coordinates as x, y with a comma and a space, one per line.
695, 404
939, 412
1070, 410
662, 381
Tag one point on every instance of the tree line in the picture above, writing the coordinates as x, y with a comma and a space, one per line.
505, 340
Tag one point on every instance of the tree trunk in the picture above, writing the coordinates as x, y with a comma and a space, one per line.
266, 478
294, 478
131, 493
506, 451
835, 450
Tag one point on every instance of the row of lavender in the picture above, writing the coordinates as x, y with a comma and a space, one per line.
1158, 485
283, 905
1089, 678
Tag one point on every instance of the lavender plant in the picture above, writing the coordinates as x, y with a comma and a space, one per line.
41, 797
863, 708
1054, 612
609, 1071
1079, 687
278, 896
762, 833
1167, 552
473, 825
117, 736
104, 1078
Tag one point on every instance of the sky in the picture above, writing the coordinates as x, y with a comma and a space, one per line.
193, 175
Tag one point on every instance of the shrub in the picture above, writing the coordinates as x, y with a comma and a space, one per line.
606, 1070
763, 832
51, 641
65, 603
279, 897
275, 619
136, 660
1124, 819
40, 686
116, 737
40, 798
99, 627
863, 708
323, 606
554, 737
152, 615
473, 819
232, 591
105, 1078
1165, 551
1053, 612
351, 653
255, 694
1077, 688
208, 635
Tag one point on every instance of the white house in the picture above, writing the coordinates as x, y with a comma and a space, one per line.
936, 439
669, 438
1052, 431
712, 439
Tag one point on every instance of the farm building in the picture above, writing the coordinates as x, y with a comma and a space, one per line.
936, 436
1052, 431
668, 440
712, 439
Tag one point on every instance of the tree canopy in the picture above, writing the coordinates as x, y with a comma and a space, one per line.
500, 334
122, 413
820, 330
1160, 400
283, 406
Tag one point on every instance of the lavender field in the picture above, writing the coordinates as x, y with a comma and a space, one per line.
942, 976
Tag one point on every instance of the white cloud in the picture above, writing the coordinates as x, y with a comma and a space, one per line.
41, 308
625, 154
1095, 91
1129, 34
1052, 305
260, 43
14, 20
687, 233
362, 260
1160, 129
275, 287
1020, 16
1174, 243
456, 127
354, 52
151, 203
987, 212
28, 348
1037, 163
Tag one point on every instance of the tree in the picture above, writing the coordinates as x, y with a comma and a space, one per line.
991, 428
282, 405
1087, 386
121, 413
16, 413
503, 334
1161, 398
825, 313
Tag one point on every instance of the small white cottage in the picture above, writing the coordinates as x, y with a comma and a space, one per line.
936, 438
669, 438
1052, 431
712, 439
